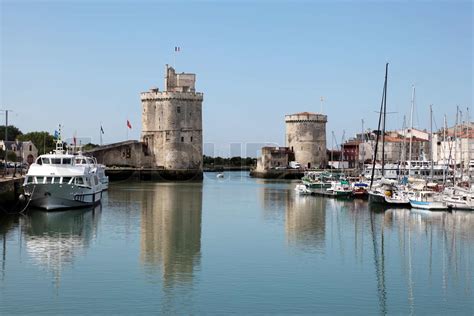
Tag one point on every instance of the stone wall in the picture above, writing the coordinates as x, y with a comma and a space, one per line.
172, 128
124, 154
306, 137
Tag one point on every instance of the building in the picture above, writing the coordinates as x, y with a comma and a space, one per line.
172, 123
306, 137
449, 146
350, 150
274, 157
26, 152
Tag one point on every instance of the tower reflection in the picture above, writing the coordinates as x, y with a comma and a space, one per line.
171, 231
304, 216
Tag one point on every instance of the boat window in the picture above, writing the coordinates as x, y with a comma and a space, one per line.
45, 161
79, 180
39, 179
38, 161
96, 180
66, 180
56, 161
67, 161
89, 160
49, 180
30, 179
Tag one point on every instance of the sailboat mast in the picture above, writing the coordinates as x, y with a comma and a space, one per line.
468, 142
431, 140
455, 145
374, 157
411, 128
446, 165
384, 120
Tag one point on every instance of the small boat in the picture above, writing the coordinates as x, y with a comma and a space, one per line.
360, 190
459, 198
339, 189
301, 189
220, 175
428, 200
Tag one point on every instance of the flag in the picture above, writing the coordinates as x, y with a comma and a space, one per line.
74, 139
56, 134
129, 125
101, 129
177, 49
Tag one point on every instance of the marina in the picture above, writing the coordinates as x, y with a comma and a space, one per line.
184, 249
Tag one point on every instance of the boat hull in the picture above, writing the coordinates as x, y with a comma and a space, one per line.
377, 198
52, 197
428, 205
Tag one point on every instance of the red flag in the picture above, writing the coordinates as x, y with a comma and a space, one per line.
129, 125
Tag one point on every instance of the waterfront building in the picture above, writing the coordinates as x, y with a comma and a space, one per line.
450, 146
274, 157
26, 152
306, 137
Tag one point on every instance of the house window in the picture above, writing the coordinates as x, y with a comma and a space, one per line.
31, 148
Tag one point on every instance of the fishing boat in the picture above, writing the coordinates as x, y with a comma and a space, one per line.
339, 189
55, 181
428, 200
317, 180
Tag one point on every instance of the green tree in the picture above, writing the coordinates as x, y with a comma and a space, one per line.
2, 153
43, 141
11, 156
89, 146
13, 132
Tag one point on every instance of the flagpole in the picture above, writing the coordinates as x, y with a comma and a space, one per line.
100, 133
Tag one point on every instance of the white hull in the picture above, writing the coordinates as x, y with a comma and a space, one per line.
56, 196
429, 205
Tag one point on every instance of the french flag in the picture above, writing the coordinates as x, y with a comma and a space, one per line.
129, 125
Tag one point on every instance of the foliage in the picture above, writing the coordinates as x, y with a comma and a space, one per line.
11, 156
229, 162
2, 153
89, 146
13, 132
43, 141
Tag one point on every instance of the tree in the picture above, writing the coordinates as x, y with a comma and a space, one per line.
11, 156
13, 132
89, 146
2, 153
43, 141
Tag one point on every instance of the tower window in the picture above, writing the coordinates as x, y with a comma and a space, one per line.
178, 109
191, 138
182, 139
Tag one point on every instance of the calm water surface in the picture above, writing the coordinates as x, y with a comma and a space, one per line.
236, 245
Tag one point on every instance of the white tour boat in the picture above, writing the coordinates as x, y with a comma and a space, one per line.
58, 181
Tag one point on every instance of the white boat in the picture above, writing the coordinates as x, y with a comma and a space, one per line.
302, 189
55, 181
96, 168
220, 175
428, 200
459, 198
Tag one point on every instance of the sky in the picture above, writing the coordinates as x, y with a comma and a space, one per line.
83, 63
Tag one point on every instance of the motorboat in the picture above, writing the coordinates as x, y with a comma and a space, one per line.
55, 181
301, 189
428, 200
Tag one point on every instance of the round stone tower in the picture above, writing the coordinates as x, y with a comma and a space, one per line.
172, 123
306, 136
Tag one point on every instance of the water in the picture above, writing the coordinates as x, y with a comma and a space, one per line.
236, 245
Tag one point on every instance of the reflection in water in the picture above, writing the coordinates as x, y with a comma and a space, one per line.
171, 231
304, 216
54, 239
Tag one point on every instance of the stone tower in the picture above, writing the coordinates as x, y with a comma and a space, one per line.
306, 136
172, 123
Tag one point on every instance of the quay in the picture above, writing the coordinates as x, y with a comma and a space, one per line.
298, 173
10, 189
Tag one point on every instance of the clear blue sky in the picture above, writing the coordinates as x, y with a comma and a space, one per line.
80, 63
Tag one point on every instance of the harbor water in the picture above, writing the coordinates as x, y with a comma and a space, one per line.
235, 245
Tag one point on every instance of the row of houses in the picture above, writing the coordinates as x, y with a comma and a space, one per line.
448, 145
